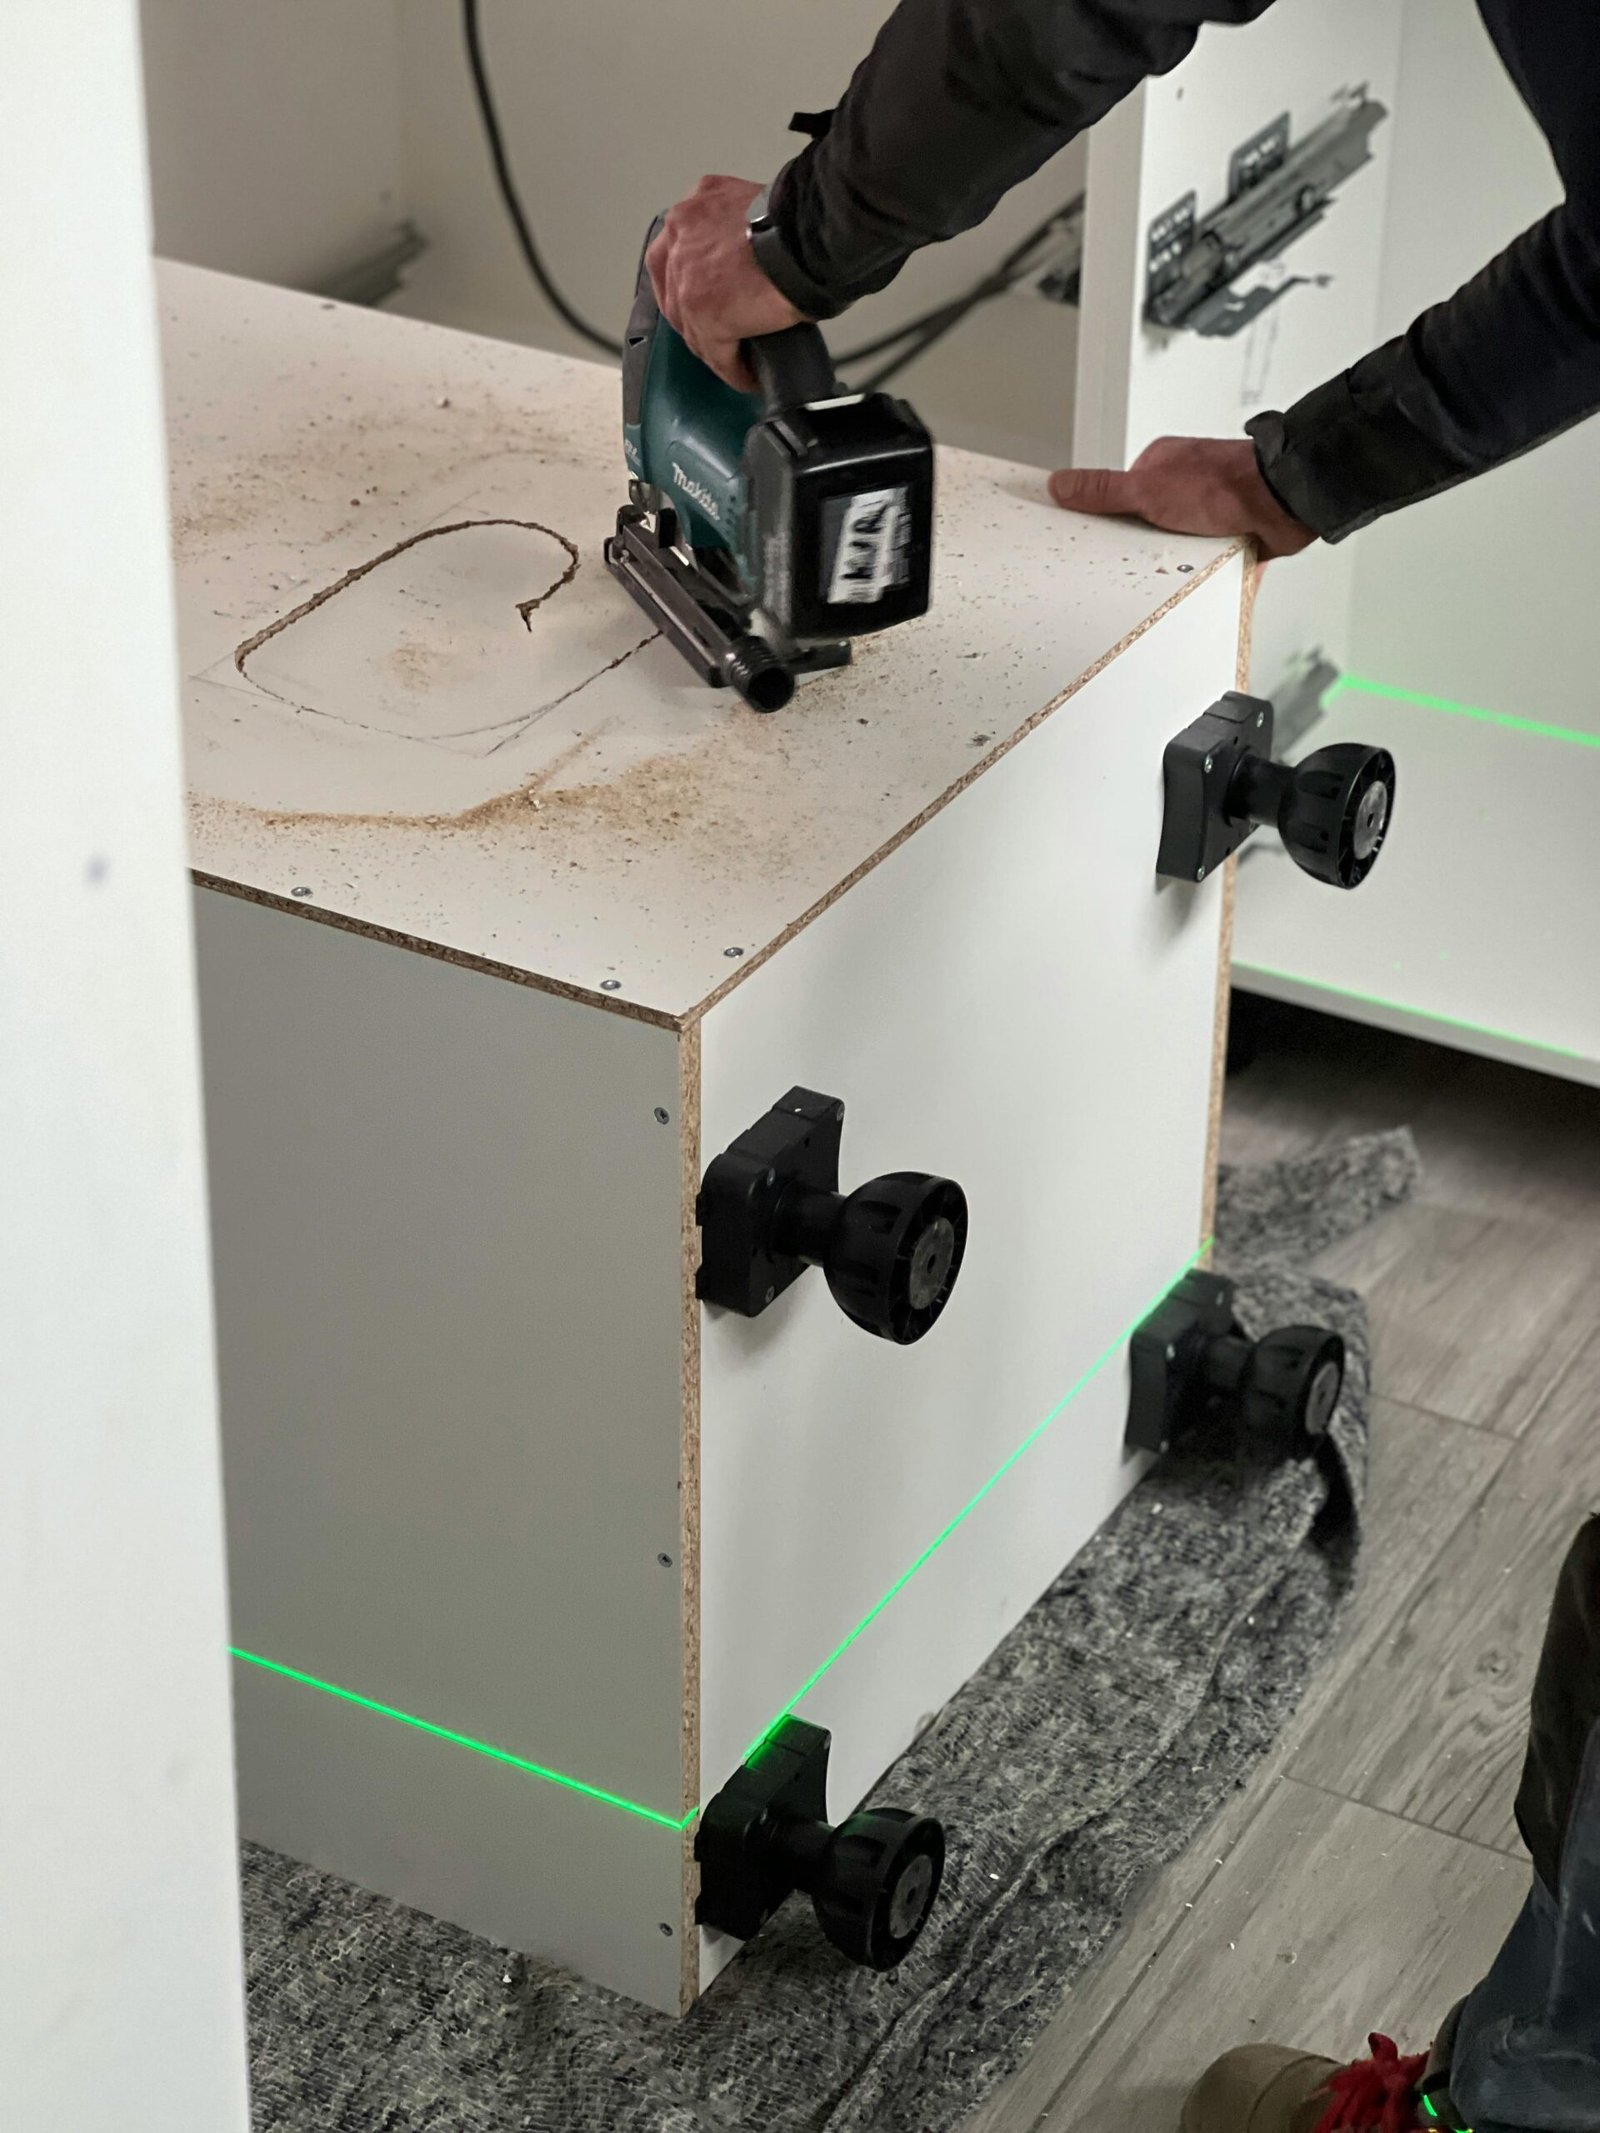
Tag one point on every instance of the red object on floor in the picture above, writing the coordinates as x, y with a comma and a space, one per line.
1376, 2095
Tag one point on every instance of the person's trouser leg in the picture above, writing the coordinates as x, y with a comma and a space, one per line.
1525, 2053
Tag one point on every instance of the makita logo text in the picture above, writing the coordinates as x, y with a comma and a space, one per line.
697, 492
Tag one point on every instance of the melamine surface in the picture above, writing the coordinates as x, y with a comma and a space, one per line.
416, 700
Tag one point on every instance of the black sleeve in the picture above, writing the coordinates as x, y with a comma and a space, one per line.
1510, 360
958, 101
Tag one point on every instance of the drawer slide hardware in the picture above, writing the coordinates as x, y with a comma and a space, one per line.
1278, 190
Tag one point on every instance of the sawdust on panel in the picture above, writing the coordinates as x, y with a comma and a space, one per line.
700, 799
344, 463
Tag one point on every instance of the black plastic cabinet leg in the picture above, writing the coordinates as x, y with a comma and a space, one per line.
1190, 1361
770, 1206
1332, 810
872, 1880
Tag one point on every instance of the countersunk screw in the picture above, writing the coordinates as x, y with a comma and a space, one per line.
771, 1293
1186, 568
666, 1929
732, 953
611, 984
299, 892
1172, 1355
1199, 873
663, 1115
1210, 762
665, 1561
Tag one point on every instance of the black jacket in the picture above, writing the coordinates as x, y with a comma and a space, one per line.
960, 99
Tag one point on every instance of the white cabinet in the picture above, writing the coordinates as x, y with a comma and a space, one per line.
507, 928
1471, 649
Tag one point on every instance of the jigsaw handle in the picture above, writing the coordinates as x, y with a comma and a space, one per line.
792, 368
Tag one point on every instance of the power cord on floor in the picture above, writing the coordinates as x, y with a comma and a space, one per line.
910, 340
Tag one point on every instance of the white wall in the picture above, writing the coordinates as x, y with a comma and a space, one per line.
274, 133
1486, 594
120, 1993
613, 109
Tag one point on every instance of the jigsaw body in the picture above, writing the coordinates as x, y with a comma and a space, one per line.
763, 533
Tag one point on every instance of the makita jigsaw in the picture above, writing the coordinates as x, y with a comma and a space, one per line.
763, 533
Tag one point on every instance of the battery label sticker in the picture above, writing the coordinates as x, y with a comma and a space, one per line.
871, 536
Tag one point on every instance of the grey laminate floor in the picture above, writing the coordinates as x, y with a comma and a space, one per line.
1367, 1876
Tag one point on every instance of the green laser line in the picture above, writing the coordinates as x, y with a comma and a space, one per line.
1422, 1014
1429, 2106
650, 1814
967, 1509
462, 1740
1358, 685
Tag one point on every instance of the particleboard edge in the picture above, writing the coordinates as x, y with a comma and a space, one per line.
657, 1018
753, 962
689, 1055
1230, 884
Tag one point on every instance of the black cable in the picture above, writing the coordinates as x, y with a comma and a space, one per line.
508, 190
922, 333
914, 337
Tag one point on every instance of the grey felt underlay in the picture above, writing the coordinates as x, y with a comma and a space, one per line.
1101, 1737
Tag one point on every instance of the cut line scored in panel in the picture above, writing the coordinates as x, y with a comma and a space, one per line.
679, 1823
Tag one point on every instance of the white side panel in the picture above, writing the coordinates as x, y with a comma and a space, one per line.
1013, 1000
642, 100
1486, 594
1480, 928
1481, 924
449, 1298
121, 2002
1138, 382
274, 133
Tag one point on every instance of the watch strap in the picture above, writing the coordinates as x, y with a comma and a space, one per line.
782, 269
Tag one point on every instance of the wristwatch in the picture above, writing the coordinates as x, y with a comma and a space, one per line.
778, 263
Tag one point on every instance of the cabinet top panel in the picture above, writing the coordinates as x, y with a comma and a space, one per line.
416, 702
